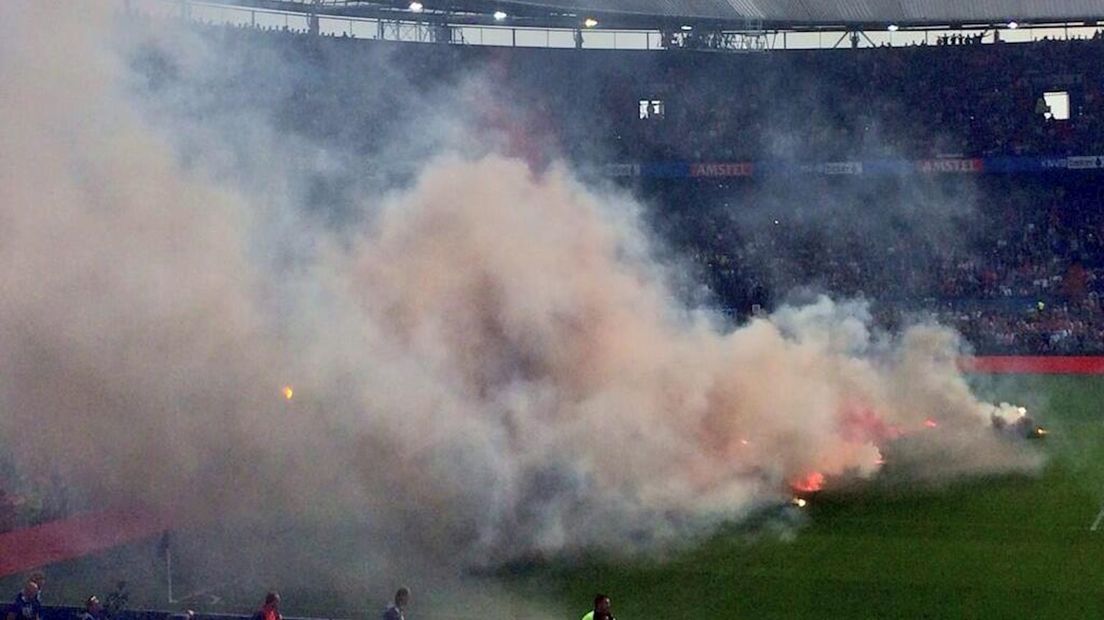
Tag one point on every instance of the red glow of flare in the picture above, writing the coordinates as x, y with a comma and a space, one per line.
930, 423
811, 483
861, 424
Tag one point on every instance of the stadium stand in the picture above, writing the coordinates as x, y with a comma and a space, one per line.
956, 126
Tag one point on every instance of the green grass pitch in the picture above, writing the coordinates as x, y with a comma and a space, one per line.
993, 548
1007, 547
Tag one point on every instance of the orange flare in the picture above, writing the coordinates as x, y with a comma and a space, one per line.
811, 483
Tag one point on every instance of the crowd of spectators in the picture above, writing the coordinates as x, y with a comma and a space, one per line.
1025, 270
955, 97
1030, 240
1021, 271
913, 102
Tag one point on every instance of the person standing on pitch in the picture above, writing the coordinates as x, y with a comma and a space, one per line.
39, 578
93, 610
397, 609
26, 605
601, 609
270, 610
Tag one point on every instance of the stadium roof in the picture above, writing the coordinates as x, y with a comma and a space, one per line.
828, 12
778, 14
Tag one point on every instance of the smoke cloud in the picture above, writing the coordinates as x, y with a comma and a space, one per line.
488, 363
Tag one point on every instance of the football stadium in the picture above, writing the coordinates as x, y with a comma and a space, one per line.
457, 309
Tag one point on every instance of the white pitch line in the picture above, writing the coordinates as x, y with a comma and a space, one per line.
1099, 518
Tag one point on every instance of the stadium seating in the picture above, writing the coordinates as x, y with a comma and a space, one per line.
1026, 277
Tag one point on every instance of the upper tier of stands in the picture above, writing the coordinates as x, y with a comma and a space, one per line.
1014, 260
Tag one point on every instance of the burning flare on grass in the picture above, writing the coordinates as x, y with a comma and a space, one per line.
810, 483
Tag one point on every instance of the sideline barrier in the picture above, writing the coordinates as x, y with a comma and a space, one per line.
1034, 365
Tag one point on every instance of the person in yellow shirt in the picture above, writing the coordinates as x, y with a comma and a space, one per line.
601, 609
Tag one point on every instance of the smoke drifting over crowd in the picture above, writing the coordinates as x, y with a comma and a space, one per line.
490, 365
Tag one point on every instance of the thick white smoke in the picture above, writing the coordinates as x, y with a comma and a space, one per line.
494, 366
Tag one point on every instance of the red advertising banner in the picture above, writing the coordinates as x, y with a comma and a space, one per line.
33, 547
1034, 365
